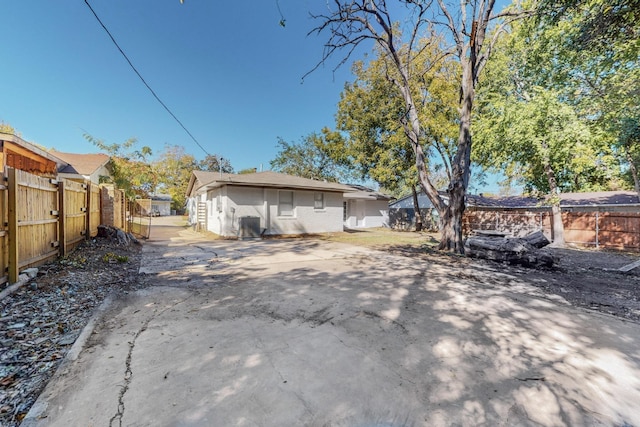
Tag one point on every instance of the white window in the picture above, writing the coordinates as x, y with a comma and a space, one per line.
285, 203
219, 202
318, 201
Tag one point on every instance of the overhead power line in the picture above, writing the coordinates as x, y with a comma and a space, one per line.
142, 78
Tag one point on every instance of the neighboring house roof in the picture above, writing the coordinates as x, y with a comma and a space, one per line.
210, 180
364, 193
82, 164
566, 199
161, 197
597, 198
406, 202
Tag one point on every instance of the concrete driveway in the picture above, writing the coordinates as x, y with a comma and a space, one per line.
310, 333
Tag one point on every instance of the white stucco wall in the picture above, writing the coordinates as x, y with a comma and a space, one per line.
238, 202
306, 219
101, 171
367, 213
162, 206
215, 200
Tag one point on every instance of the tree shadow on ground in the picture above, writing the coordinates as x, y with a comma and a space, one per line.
361, 337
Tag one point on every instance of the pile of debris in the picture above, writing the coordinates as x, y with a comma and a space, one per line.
40, 321
525, 251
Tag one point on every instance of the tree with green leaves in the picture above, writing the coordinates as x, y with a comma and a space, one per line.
371, 112
247, 171
529, 125
317, 156
131, 169
628, 144
351, 23
591, 54
214, 163
173, 169
7, 128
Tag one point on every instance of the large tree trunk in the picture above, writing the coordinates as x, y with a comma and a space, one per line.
634, 172
451, 224
416, 209
556, 211
558, 226
451, 218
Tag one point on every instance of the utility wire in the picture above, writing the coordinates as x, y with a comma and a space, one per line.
143, 80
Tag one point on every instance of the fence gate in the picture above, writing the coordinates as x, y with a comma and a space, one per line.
33, 222
75, 213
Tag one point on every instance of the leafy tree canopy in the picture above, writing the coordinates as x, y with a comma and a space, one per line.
214, 163
130, 168
372, 112
173, 169
316, 156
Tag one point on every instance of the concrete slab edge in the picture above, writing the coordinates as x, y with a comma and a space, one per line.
32, 418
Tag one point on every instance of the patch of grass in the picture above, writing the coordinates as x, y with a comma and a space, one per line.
383, 237
112, 258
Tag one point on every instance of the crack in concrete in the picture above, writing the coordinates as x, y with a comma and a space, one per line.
128, 373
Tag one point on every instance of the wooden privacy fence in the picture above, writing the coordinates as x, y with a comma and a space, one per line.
615, 229
42, 219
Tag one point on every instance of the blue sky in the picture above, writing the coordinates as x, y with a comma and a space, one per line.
227, 70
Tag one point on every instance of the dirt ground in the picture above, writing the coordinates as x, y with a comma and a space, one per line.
40, 322
585, 278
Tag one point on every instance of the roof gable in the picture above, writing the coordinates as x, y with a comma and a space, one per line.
82, 164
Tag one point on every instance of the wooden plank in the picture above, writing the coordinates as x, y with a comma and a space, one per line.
33, 260
77, 215
88, 222
37, 222
74, 190
62, 232
37, 187
630, 267
13, 225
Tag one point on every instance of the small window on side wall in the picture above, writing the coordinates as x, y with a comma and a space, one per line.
318, 201
285, 203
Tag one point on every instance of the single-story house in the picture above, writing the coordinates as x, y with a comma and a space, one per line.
81, 167
402, 213
264, 203
161, 204
157, 205
366, 208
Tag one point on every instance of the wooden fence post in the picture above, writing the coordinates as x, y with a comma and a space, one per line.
12, 190
597, 230
87, 233
62, 233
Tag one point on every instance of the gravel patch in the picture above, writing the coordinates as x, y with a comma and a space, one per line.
41, 320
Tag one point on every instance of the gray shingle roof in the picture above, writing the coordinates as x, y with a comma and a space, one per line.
266, 179
566, 199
